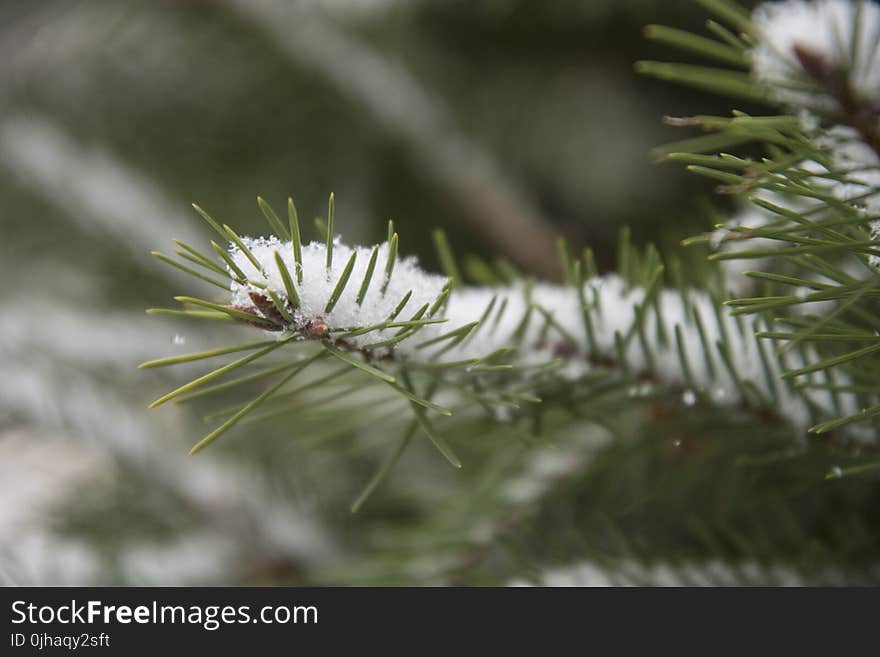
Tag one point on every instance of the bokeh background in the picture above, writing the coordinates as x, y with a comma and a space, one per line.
505, 122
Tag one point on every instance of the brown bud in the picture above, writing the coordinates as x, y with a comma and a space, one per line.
816, 65
250, 310
315, 329
265, 306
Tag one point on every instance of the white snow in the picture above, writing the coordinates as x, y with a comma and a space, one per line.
612, 303
843, 33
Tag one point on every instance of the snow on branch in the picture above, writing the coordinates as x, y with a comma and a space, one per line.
819, 54
678, 338
387, 316
822, 58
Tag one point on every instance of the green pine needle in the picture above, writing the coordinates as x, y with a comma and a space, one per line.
441, 299
832, 362
272, 219
368, 276
731, 12
296, 239
400, 306
330, 217
341, 283
699, 45
280, 306
232, 312
447, 258
392, 258
385, 469
239, 274
233, 236
458, 334
188, 270
200, 257
289, 289
266, 394
210, 220
715, 80
187, 358
442, 446
352, 360
413, 397
864, 414
210, 376
234, 383
191, 314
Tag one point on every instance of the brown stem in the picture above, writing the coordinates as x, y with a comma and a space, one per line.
863, 117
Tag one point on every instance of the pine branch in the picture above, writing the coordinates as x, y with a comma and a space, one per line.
817, 190
616, 329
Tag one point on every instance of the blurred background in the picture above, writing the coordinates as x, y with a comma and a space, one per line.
506, 122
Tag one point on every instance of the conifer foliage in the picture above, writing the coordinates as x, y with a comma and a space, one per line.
776, 330
499, 343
